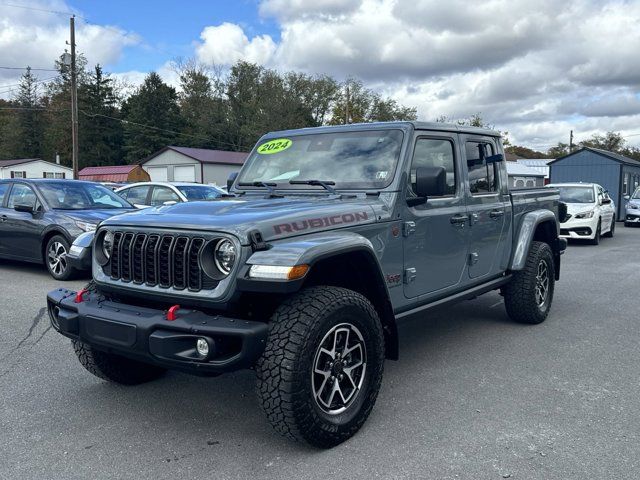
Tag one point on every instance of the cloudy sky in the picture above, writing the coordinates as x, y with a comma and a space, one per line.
536, 69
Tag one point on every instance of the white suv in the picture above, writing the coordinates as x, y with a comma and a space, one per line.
591, 212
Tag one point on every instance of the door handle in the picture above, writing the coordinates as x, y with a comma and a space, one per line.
459, 220
495, 214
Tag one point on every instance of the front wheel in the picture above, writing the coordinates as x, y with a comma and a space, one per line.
528, 296
612, 229
596, 236
320, 373
56, 251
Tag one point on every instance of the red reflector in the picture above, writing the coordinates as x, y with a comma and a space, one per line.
79, 295
172, 313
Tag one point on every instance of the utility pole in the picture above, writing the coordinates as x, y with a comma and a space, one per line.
74, 99
346, 108
571, 141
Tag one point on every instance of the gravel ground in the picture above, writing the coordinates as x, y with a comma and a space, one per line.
473, 396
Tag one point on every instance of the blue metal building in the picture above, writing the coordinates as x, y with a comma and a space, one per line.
616, 173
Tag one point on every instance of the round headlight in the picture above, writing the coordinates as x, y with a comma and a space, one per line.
224, 256
107, 244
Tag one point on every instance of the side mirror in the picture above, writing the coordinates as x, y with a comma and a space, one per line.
627, 197
606, 201
429, 182
231, 179
169, 202
24, 208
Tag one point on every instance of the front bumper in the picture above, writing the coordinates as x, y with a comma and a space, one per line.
633, 216
579, 228
146, 335
79, 257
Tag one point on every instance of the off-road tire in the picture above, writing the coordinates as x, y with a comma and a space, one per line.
284, 371
598, 234
612, 230
520, 293
115, 368
69, 272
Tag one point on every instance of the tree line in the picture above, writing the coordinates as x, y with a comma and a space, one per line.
212, 108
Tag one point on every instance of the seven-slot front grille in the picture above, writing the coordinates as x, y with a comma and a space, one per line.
166, 260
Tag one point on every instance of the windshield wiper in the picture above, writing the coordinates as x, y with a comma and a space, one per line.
317, 183
268, 185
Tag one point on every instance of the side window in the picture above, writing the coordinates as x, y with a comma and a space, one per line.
21, 195
137, 195
431, 152
161, 195
482, 177
4, 188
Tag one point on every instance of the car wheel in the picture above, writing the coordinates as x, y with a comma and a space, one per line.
55, 258
115, 368
320, 373
528, 296
596, 238
612, 230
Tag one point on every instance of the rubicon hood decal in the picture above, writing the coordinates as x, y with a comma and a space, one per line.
311, 223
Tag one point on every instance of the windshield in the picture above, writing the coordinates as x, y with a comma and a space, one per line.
70, 195
576, 194
350, 159
636, 194
199, 192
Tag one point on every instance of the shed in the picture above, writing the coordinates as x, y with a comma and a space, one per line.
539, 164
114, 173
185, 164
616, 173
33, 168
521, 176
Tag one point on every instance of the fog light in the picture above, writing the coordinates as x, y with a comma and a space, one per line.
202, 346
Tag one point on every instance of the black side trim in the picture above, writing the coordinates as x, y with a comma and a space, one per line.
457, 297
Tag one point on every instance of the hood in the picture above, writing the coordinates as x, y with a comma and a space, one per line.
273, 217
95, 216
574, 208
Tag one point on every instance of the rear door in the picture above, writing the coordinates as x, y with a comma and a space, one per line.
4, 189
488, 204
435, 233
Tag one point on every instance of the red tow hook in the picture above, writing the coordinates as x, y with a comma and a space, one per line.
172, 313
80, 294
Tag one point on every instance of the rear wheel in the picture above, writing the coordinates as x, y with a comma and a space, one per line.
528, 296
320, 373
115, 368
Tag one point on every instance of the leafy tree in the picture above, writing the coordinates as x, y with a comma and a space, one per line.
611, 141
558, 151
524, 152
154, 104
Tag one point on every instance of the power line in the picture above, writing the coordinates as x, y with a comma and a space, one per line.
13, 86
31, 68
56, 12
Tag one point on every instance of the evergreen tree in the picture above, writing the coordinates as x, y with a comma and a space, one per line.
25, 138
155, 104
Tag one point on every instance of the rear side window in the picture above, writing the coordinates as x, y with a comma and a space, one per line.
4, 188
161, 195
136, 195
430, 152
483, 178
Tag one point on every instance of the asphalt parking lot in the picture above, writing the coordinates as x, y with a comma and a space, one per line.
473, 396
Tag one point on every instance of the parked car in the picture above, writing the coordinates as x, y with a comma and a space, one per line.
632, 217
39, 219
112, 185
155, 194
591, 213
305, 279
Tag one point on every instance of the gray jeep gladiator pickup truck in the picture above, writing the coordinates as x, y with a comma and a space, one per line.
334, 234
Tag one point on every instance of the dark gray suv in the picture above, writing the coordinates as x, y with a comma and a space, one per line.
39, 219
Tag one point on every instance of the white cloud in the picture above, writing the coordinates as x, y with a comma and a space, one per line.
287, 9
227, 43
37, 38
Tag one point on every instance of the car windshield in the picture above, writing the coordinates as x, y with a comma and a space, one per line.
71, 195
199, 192
365, 159
636, 194
576, 194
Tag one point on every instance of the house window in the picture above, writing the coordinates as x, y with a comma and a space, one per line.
60, 175
15, 174
48, 175
625, 184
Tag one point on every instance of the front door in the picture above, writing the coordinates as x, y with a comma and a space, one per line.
435, 233
488, 205
21, 230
